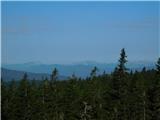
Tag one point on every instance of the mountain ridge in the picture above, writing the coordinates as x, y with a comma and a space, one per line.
81, 69
9, 75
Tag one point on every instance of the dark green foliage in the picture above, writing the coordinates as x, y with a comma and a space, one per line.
158, 66
122, 62
93, 72
116, 96
153, 95
54, 75
119, 85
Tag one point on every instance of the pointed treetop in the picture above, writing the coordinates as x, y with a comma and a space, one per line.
122, 61
54, 74
158, 65
144, 69
73, 76
25, 76
93, 72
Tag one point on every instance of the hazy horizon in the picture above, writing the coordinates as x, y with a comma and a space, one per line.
70, 32
79, 62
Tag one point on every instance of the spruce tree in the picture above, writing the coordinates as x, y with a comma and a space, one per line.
93, 72
54, 94
122, 61
23, 98
119, 88
158, 66
54, 75
153, 95
4, 101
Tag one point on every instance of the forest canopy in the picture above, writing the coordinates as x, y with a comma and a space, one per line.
121, 95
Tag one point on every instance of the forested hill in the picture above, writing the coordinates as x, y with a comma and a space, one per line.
121, 95
9, 75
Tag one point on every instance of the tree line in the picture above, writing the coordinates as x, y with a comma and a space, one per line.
121, 95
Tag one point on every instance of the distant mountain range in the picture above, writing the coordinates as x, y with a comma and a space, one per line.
81, 69
8, 75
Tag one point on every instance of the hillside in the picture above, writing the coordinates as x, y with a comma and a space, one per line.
8, 75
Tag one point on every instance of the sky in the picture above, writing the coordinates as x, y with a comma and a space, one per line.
70, 32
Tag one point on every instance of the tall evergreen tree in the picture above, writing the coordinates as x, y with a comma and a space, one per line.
54, 94
23, 98
4, 101
119, 85
93, 72
122, 61
153, 95
158, 66
54, 75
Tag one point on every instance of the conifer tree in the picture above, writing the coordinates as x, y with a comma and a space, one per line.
153, 95
23, 98
119, 88
54, 94
46, 100
4, 101
93, 72
137, 97
122, 61
158, 66
73, 77
54, 75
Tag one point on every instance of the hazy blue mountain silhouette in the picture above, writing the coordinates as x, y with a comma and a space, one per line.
81, 69
8, 75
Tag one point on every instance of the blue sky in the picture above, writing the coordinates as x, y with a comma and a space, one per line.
67, 32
